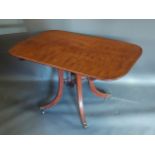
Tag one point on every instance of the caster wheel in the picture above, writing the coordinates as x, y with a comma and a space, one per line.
42, 111
85, 125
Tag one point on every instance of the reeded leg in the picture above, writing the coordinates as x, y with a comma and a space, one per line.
95, 91
80, 100
59, 93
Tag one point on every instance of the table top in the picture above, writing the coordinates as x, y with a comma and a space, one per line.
91, 56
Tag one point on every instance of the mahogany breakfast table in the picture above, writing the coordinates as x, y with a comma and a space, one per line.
82, 56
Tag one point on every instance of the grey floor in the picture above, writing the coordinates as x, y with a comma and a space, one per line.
130, 110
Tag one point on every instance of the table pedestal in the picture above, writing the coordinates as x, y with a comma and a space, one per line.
71, 81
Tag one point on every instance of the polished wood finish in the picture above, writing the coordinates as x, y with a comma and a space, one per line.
91, 56
59, 93
82, 55
80, 100
95, 91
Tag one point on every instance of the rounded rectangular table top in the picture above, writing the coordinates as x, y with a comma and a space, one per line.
91, 56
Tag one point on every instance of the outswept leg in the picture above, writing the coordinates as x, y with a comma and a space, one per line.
59, 92
95, 91
79, 94
80, 100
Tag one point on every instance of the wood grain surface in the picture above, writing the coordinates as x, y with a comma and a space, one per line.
91, 56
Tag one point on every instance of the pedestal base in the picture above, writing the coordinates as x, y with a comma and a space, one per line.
71, 81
